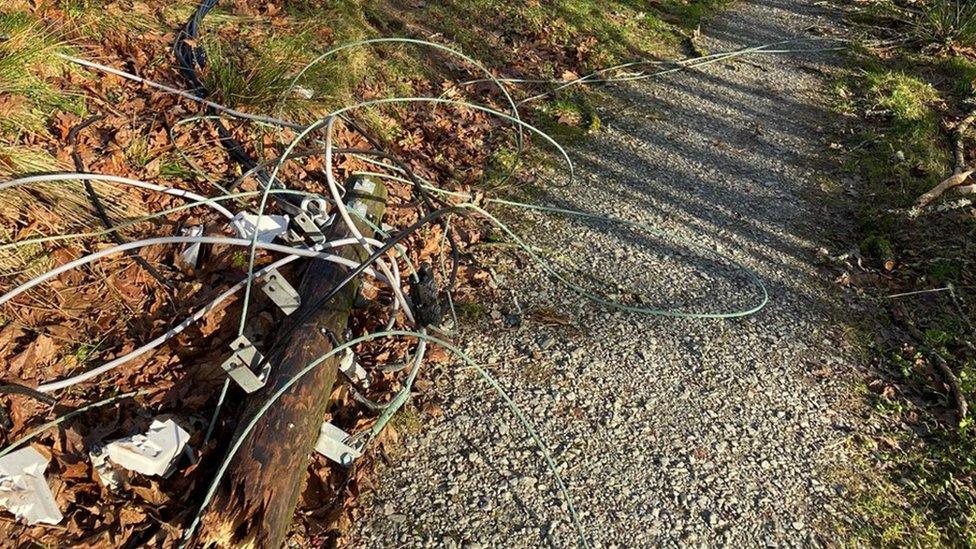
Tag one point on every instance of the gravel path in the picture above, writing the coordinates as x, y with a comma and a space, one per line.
666, 431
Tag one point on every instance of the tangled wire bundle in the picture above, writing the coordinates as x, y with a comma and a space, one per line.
413, 307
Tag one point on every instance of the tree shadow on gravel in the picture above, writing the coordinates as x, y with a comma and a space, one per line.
727, 160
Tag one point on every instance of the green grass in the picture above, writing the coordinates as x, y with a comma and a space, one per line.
28, 66
253, 67
907, 98
948, 23
920, 493
600, 32
258, 75
918, 487
408, 420
171, 166
961, 72
21, 159
470, 310
239, 260
691, 14
907, 151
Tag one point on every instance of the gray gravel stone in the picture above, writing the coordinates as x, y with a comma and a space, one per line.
667, 431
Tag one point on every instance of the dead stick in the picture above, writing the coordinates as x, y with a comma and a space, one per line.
962, 407
961, 172
960, 145
256, 501
953, 181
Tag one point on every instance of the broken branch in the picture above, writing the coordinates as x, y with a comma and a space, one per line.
953, 181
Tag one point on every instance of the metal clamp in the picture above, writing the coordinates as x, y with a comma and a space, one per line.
364, 185
332, 444
281, 292
308, 226
351, 368
313, 218
241, 365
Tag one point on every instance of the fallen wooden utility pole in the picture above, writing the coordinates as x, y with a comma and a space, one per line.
256, 500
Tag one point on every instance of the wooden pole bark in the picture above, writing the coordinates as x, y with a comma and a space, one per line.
256, 500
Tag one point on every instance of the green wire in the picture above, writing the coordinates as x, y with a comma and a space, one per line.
57, 421
526, 423
750, 274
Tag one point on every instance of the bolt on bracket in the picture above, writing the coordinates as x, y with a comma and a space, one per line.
309, 227
281, 292
332, 444
241, 365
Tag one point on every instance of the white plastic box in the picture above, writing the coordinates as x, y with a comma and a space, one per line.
23, 487
153, 453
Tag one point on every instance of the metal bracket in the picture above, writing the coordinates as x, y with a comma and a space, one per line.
312, 219
191, 255
293, 238
308, 226
364, 185
267, 227
277, 288
332, 444
351, 368
240, 366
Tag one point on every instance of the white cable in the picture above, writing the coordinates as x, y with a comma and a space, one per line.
181, 93
344, 213
73, 176
196, 316
173, 332
303, 252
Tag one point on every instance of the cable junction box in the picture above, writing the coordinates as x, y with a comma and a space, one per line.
152, 453
24, 490
242, 364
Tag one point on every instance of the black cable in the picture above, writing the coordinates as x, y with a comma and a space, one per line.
18, 389
100, 208
191, 58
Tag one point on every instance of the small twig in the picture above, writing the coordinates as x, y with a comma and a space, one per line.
958, 302
917, 292
960, 151
915, 212
962, 406
962, 170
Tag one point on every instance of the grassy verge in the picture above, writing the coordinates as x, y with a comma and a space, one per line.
920, 487
252, 65
256, 49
